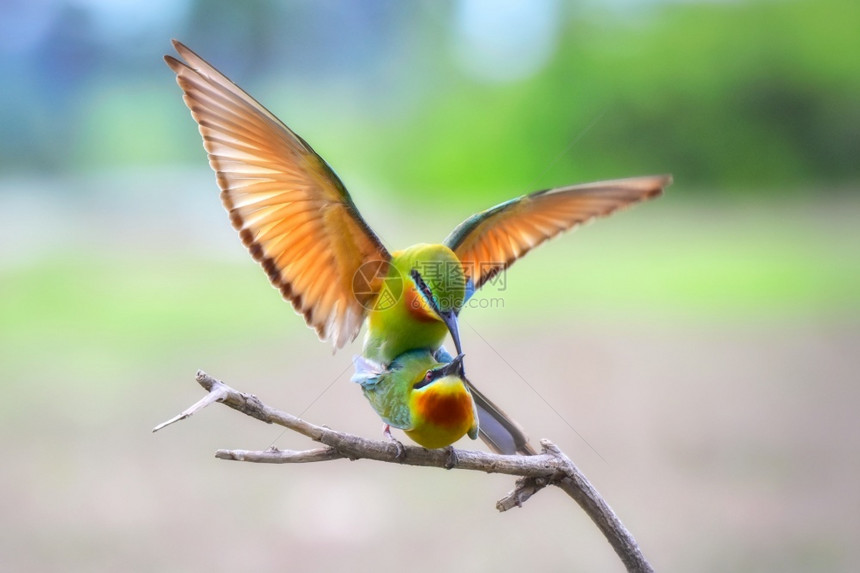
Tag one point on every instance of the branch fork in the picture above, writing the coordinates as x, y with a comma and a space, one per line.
550, 467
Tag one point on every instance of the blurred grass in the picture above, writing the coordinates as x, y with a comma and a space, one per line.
706, 264
688, 263
700, 347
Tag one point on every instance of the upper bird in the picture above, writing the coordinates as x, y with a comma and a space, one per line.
297, 220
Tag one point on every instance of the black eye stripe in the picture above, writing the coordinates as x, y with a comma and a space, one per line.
431, 376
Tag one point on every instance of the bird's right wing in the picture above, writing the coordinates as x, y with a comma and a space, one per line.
291, 210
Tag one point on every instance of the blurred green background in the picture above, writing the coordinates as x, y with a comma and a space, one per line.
696, 356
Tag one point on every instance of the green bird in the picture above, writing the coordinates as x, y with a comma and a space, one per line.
427, 399
297, 220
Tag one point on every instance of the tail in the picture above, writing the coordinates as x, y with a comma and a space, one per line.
499, 432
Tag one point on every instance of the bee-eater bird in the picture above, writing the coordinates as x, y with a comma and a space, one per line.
427, 399
298, 221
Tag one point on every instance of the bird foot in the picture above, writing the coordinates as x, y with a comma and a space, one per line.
451, 461
401, 449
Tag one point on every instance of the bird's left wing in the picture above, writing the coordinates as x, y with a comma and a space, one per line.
490, 241
292, 212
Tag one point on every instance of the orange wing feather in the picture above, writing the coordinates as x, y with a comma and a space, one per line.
291, 210
492, 240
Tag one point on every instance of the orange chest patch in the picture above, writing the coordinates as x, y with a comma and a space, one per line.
446, 410
416, 306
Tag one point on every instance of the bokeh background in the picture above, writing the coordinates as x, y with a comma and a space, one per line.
696, 356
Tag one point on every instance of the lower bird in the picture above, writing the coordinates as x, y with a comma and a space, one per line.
427, 399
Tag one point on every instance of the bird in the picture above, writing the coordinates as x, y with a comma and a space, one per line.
427, 399
296, 218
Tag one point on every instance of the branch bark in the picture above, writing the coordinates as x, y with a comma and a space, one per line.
550, 467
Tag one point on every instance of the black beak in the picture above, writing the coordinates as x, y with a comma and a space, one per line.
453, 368
449, 317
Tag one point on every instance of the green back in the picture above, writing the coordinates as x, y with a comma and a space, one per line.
389, 390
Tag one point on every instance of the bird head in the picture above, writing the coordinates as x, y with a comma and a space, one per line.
453, 368
446, 315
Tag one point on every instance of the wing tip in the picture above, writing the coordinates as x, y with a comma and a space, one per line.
661, 182
655, 185
172, 62
182, 49
176, 64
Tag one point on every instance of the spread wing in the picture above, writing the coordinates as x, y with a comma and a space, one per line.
492, 240
291, 210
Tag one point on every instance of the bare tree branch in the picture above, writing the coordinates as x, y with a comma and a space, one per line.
525, 488
275, 456
550, 467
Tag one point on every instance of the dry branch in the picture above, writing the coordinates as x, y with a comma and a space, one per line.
550, 467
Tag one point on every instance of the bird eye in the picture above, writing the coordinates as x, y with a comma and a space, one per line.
429, 377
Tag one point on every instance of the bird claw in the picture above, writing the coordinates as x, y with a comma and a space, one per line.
401, 449
451, 461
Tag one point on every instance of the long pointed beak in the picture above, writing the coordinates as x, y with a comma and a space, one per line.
449, 317
453, 368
